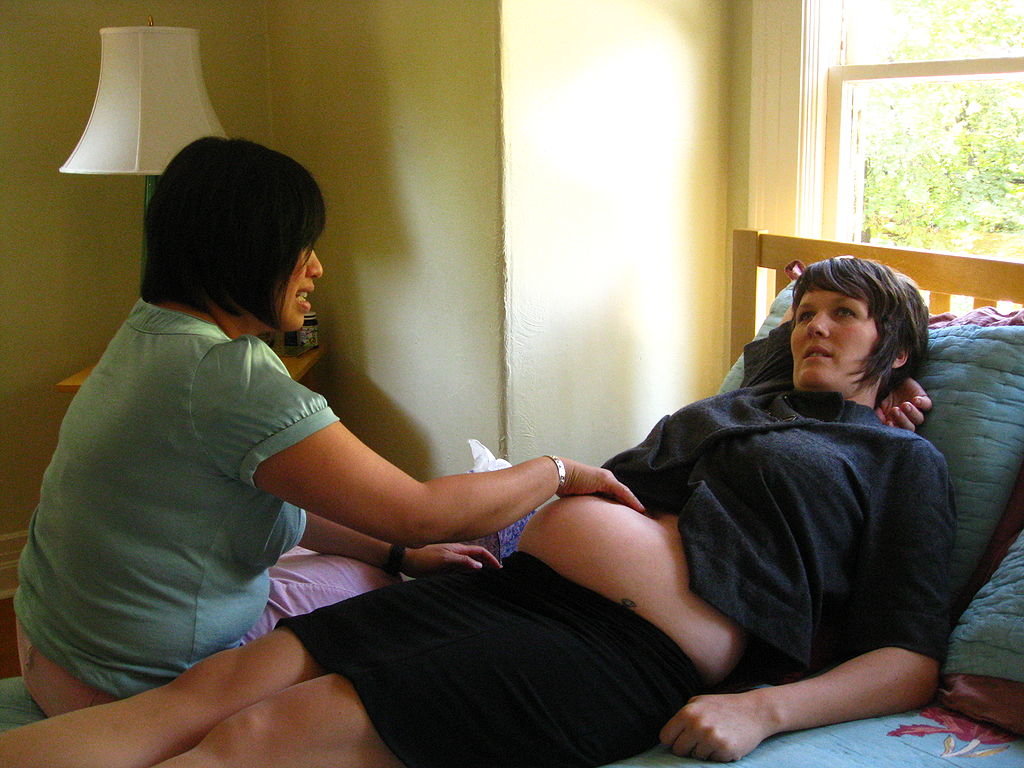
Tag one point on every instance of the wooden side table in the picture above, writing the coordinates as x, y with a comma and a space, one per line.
9, 666
297, 367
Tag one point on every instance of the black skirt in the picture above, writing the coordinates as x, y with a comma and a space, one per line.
516, 667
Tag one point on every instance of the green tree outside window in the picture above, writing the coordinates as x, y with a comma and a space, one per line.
943, 162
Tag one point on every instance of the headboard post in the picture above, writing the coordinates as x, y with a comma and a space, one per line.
746, 257
987, 280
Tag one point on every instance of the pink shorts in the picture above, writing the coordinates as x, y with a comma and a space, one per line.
54, 690
300, 582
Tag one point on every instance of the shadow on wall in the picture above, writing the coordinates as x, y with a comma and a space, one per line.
336, 81
372, 416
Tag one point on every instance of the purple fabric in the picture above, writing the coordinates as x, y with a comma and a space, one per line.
506, 541
980, 316
303, 580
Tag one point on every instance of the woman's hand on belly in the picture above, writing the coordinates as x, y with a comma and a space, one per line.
637, 561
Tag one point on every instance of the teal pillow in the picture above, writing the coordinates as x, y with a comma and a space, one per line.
975, 377
16, 706
989, 639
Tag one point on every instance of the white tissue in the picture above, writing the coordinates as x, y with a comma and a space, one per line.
506, 541
483, 459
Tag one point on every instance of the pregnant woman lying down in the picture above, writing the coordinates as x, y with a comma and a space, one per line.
777, 511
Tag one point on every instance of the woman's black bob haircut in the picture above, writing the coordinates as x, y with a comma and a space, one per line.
895, 304
227, 224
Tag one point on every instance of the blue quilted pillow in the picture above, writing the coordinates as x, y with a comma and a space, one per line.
16, 706
975, 377
989, 640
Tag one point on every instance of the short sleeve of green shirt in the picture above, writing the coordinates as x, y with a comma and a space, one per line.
246, 408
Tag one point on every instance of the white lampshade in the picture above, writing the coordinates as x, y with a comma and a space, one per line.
150, 102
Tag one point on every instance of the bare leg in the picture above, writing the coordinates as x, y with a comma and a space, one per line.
165, 721
321, 723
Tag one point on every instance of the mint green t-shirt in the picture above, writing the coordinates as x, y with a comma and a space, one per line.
149, 548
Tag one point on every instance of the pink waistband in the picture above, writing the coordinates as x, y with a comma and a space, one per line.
54, 689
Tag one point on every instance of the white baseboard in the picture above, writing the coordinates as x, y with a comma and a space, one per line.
11, 545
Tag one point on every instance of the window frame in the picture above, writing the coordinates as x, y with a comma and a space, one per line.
795, 123
837, 173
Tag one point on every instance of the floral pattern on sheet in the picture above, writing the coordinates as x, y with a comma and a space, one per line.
966, 738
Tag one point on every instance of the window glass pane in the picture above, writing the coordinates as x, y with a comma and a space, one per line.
939, 165
881, 31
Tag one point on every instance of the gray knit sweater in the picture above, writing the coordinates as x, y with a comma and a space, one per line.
799, 511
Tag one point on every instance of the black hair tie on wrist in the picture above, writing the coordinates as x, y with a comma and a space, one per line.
393, 565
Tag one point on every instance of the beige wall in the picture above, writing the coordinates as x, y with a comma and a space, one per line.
70, 244
565, 334
739, 56
616, 147
394, 105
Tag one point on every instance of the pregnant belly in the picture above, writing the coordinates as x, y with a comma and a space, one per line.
637, 561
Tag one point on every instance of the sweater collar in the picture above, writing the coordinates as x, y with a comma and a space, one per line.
822, 406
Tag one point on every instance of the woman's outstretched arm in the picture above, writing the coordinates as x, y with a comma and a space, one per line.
332, 539
725, 727
334, 475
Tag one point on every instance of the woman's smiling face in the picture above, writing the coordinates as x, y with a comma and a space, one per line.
295, 295
833, 336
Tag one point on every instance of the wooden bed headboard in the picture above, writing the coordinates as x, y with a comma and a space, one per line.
942, 274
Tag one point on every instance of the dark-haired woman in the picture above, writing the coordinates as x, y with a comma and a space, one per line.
187, 458
778, 510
